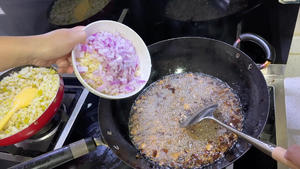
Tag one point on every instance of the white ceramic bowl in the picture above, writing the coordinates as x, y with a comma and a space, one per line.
134, 38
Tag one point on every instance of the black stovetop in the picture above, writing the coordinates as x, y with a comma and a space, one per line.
103, 158
87, 126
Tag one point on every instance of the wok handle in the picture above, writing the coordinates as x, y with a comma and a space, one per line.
59, 156
268, 49
277, 153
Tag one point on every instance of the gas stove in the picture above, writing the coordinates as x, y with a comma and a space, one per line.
104, 158
77, 119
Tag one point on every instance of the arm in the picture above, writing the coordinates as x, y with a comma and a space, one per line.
41, 50
17, 51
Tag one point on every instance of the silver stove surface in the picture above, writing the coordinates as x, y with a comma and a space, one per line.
274, 75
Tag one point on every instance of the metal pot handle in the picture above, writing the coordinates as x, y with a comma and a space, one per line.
268, 49
62, 155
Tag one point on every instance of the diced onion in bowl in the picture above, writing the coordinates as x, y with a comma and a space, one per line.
109, 63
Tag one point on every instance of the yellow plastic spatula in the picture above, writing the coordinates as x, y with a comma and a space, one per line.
21, 100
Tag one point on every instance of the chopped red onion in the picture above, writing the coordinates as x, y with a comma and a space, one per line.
83, 48
82, 69
118, 62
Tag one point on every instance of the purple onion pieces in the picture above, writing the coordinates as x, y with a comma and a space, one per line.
118, 62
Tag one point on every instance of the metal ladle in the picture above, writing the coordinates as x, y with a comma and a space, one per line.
276, 152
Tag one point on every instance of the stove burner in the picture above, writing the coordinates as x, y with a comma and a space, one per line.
42, 139
51, 126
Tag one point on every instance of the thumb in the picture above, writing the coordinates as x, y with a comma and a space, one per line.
77, 34
293, 154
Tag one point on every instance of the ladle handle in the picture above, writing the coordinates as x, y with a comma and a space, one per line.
277, 153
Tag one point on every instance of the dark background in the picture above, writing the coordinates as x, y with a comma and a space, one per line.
271, 20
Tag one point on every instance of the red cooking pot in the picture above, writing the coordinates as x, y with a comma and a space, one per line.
38, 123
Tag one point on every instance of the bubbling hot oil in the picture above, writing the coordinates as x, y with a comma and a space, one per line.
156, 114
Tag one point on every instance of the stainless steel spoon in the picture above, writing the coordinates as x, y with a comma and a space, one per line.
273, 151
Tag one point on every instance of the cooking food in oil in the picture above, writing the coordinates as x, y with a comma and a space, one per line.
155, 117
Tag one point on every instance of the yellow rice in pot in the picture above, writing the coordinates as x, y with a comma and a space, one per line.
44, 79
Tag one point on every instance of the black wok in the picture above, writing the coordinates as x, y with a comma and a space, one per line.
193, 54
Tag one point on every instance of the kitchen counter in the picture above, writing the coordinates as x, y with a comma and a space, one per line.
274, 75
292, 88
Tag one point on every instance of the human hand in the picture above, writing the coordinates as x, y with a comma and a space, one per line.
293, 154
55, 48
